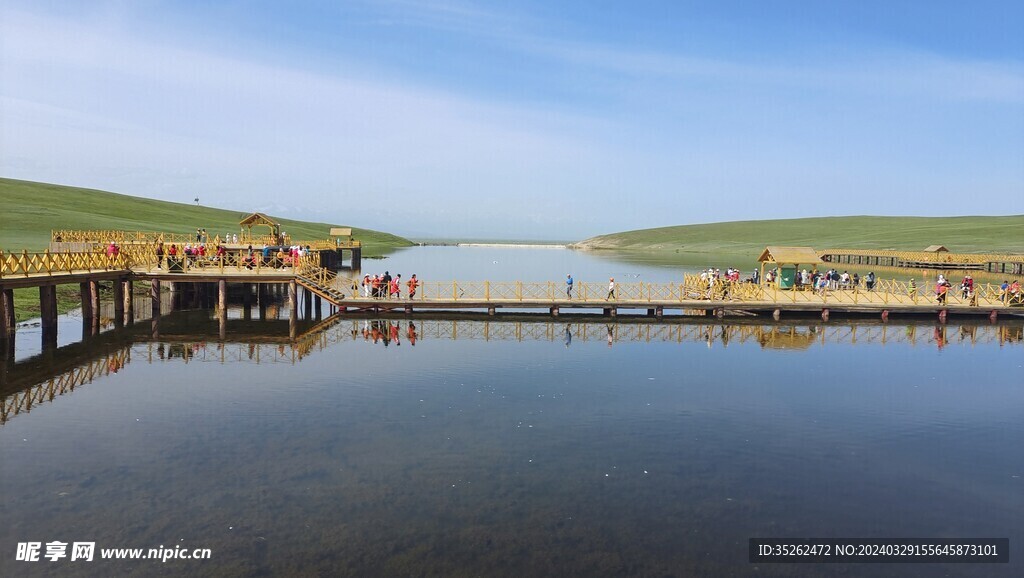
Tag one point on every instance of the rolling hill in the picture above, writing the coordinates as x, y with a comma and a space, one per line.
30, 210
977, 234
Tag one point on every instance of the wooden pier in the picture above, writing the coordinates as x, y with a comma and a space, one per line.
212, 276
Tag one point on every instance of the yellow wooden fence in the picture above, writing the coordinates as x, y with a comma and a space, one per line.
27, 264
928, 257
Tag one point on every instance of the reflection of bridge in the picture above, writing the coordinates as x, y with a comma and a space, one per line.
28, 384
54, 372
777, 336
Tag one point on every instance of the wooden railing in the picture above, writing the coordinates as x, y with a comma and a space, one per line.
100, 237
928, 257
694, 289
143, 258
26, 264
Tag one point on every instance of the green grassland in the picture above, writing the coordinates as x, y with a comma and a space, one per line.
29, 210
959, 234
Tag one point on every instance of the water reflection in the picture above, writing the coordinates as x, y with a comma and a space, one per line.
192, 336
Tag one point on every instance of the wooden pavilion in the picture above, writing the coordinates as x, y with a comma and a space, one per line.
788, 260
261, 220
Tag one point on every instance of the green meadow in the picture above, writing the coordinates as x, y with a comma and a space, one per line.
959, 234
31, 210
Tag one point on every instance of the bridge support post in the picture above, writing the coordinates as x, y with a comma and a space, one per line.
408, 309
83, 289
262, 299
993, 316
942, 316
659, 311
48, 313
222, 297
317, 306
554, 311
777, 314
720, 313
293, 300
7, 314
94, 297
885, 315
650, 312
824, 314
357, 254
491, 311
247, 301
222, 324
6, 354
129, 301
118, 290
307, 303
154, 297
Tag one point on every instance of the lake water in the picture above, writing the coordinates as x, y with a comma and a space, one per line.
462, 445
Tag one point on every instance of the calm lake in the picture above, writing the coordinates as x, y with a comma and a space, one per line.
460, 445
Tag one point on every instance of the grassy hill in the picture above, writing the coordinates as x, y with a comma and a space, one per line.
30, 210
959, 234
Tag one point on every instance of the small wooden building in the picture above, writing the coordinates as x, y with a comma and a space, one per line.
936, 249
788, 260
261, 220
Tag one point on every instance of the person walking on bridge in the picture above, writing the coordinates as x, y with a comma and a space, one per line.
568, 286
413, 283
611, 289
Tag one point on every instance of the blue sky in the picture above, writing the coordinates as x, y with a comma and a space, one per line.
538, 120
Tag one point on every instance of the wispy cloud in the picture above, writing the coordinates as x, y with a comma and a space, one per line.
656, 138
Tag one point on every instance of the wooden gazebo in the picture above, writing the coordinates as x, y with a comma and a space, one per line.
261, 220
788, 260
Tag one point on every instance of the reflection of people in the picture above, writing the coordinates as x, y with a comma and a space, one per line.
411, 334
610, 336
568, 336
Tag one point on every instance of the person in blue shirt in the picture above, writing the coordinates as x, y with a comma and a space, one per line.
568, 286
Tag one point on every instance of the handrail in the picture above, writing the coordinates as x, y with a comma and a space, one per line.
25, 264
105, 236
693, 289
929, 257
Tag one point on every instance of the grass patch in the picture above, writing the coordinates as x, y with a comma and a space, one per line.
31, 210
959, 234
26, 301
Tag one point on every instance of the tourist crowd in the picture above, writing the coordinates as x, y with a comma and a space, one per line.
387, 287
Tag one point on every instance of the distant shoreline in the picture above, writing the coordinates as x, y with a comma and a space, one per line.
514, 245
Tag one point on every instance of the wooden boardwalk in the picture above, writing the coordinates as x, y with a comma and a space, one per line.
691, 296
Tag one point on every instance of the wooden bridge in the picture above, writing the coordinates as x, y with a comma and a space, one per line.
139, 262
